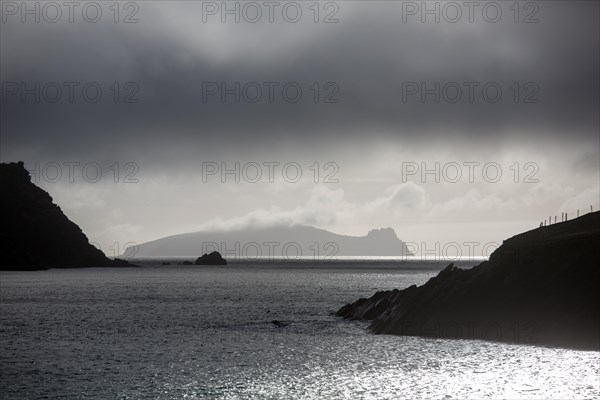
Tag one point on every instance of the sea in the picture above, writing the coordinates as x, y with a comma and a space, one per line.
251, 330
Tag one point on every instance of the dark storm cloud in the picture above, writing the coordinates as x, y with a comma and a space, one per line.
368, 55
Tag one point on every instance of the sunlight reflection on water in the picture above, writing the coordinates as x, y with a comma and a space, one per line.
194, 333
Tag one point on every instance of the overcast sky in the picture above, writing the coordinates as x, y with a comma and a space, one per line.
363, 116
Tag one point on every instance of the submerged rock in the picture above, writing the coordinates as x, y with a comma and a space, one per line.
539, 287
213, 258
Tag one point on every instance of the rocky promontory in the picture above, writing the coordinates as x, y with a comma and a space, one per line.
35, 233
540, 287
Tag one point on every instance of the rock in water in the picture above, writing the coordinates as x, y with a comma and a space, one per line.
213, 258
35, 234
540, 287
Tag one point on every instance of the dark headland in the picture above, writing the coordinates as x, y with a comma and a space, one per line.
540, 287
35, 234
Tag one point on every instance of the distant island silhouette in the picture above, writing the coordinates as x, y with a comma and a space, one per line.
34, 232
275, 241
539, 287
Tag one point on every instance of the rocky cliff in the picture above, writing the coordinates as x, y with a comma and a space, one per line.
539, 287
35, 234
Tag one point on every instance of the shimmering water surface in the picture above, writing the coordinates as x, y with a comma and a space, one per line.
174, 332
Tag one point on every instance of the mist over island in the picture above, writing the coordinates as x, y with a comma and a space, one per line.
274, 242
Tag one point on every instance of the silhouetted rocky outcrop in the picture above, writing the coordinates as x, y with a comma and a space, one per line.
539, 287
35, 234
213, 258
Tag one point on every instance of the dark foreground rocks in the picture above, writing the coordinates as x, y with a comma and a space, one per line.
213, 258
34, 232
540, 287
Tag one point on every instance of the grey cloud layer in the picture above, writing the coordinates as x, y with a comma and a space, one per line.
368, 54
